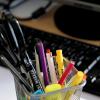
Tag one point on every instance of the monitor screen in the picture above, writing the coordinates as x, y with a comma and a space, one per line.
79, 20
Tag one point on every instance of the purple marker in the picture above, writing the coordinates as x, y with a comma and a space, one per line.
42, 60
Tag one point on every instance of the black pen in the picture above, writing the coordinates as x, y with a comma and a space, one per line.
32, 71
6, 62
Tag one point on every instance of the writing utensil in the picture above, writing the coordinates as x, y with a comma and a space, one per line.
37, 62
67, 71
40, 74
36, 95
73, 72
29, 65
38, 92
32, 72
6, 48
43, 63
51, 67
12, 68
59, 61
52, 88
56, 67
75, 80
5, 44
10, 33
15, 32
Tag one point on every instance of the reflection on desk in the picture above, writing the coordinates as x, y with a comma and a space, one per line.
7, 85
87, 96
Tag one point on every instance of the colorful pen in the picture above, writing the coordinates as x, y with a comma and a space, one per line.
39, 72
42, 59
77, 79
66, 72
51, 67
52, 88
6, 62
32, 72
59, 61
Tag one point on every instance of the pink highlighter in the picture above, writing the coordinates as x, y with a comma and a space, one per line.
67, 71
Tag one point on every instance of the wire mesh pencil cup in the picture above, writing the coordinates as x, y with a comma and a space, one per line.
67, 93
70, 93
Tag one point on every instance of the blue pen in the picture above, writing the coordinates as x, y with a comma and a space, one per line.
36, 95
38, 92
42, 59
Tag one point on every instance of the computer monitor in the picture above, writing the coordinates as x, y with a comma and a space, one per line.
79, 18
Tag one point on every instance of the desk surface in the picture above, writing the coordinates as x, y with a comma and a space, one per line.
7, 85
46, 23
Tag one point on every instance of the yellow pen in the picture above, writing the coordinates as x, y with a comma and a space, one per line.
59, 61
52, 88
76, 80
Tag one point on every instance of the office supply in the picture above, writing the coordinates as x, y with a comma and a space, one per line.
37, 63
38, 92
20, 50
52, 88
60, 63
40, 74
81, 52
77, 79
33, 74
42, 59
66, 73
5, 48
11, 36
11, 67
51, 67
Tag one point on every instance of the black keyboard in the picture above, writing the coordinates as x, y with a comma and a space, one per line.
87, 56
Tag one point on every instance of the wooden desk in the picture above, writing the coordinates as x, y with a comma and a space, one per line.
46, 23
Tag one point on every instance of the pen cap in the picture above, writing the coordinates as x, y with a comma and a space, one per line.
59, 57
52, 87
77, 79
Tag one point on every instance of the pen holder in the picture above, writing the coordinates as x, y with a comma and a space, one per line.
68, 93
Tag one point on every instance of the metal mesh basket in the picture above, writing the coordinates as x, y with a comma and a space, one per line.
70, 93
